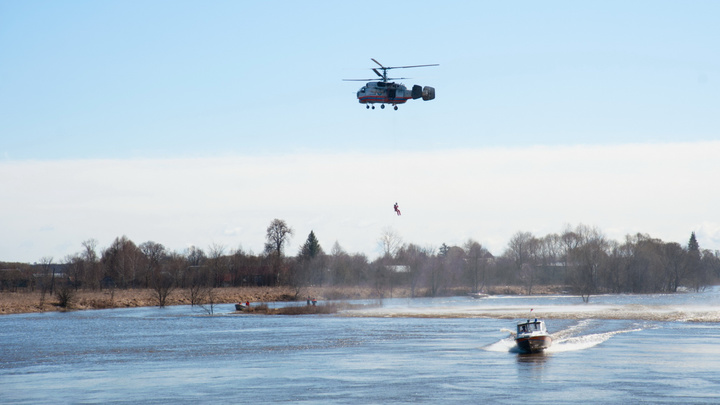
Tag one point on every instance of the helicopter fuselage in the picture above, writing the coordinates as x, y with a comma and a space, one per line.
383, 92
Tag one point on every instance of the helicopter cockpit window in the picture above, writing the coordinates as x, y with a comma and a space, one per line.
362, 90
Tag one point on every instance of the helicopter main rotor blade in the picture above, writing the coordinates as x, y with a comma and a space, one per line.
377, 73
375, 80
373, 59
413, 66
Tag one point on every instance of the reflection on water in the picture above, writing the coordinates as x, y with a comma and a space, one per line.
531, 366
532, 358
441, 350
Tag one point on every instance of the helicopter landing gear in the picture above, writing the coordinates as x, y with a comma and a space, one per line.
395, 108
367, 106
373, 107
382, 106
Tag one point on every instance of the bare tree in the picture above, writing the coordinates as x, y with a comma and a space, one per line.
522, 250
476, 264
674, 262
47, 275
239, 268
197, 281
569, 240
547, 257
92, 274
519, 248
453, 263
389, 242
436, 269
201, 290
121, 262
346, 269
710, 263
218, 264
336, 265
588, 257
277, 236
153, 252
208, 304
379, 275
195, 256
415, 259
195, 259
163, 280
67, 287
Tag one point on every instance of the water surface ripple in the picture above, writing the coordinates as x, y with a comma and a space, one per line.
617, 349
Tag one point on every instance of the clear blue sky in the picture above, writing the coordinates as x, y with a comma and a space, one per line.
226, 81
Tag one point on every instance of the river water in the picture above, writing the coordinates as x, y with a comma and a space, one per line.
616, 349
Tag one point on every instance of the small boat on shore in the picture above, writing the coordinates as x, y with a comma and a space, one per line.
532, 336
477, 294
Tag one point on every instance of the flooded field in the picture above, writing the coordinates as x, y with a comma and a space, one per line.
616, 349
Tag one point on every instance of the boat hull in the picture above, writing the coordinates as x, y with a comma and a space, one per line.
533, 344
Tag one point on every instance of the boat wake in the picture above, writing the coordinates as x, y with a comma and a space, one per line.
584, 342
570, 339
503, 345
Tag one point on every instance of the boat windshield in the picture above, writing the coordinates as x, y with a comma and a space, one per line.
530, 327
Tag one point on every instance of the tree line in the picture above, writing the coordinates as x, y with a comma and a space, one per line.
581, 259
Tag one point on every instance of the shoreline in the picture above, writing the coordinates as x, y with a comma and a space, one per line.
29, 302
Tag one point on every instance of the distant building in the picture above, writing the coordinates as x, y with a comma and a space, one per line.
398, 268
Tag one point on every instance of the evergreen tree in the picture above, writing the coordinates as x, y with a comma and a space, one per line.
444, 249
310, 263
693, 246
311, 249
694, 267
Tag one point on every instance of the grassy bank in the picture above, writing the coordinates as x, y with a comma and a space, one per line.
27, 302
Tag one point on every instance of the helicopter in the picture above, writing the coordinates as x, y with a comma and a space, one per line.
384, 91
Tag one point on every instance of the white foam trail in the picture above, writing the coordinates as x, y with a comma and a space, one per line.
503, 345
583, 342
572, 330
563, 341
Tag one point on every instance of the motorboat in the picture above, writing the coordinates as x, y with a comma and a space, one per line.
532, 336
478, 294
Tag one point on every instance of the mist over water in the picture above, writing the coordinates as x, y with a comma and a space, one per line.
616, 349
686, 307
